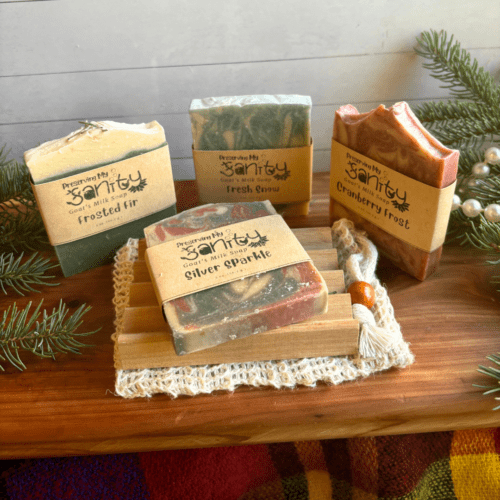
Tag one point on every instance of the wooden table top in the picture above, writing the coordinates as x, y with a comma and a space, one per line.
68, 406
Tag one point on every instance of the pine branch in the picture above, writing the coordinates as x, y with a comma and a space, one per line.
22, 276
491, 372
21, 226
487, 190
459, 226
476, 230
474, 116
485, 235
14, 177
431, 113
459, 125
467, 133
468, 158
454, 66
466, 122
53, 333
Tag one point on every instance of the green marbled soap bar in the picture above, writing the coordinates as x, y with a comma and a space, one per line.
250, 122
255, 122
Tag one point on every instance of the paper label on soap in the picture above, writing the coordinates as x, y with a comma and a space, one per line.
222, 255
407, 209
106, 197
278, 175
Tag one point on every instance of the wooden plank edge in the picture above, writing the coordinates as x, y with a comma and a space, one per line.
155, 349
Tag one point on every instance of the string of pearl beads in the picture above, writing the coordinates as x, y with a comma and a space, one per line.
472, 207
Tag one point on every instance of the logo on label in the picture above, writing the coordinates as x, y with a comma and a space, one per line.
250, 166
374, 181
217, 244
100, 185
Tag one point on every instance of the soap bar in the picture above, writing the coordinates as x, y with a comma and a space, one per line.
251, 122
240, 308
255, 122
98, 144
395, 138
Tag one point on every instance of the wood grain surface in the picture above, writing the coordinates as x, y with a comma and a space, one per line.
452, 321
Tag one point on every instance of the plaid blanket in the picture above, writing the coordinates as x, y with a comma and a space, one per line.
462, 465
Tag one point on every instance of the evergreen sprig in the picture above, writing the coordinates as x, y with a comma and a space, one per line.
22, 276
42, 333
451, 64
487, 190
468, 158
493, 372
14, 177
485, 235
21, 225
460, 124
466, 122
21, 229
473, 116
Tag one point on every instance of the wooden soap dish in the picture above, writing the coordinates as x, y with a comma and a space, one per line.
145, 341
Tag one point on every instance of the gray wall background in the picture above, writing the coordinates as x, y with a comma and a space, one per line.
135, 61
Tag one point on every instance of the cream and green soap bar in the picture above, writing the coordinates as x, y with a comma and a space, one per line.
94, 179
254, 122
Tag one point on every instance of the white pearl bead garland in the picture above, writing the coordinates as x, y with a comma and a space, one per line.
473, 183
492, 213
455, 204
471, 208
481, 170
492, 155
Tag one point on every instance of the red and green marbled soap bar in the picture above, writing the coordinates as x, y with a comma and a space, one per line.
244, 307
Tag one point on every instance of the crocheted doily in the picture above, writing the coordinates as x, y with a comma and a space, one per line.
381, 343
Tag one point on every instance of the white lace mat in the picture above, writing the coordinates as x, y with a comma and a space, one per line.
381, 343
